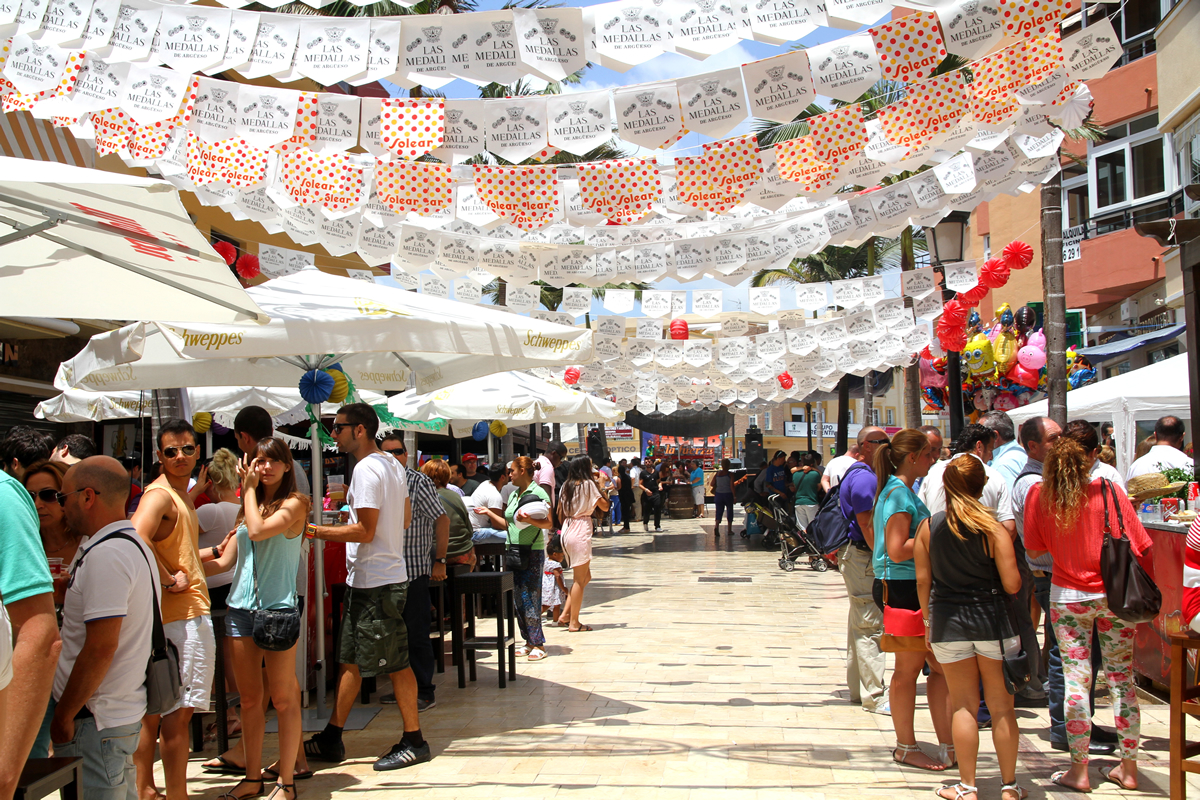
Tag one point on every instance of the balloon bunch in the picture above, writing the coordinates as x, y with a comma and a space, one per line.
952, 327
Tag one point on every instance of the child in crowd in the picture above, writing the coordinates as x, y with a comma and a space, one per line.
554, 591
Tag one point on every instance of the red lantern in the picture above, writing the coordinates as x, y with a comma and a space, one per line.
679, 329
972, 296
1018, 255
247, 266
571, 376
785, 380
994, 274
226, 251
951, 335
954, 311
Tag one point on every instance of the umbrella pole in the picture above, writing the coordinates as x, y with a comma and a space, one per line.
318, 459
491, 449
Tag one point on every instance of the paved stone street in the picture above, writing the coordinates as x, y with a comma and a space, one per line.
710, 673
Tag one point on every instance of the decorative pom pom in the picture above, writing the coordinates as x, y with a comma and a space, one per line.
785, 380
1018, 255
341, 385
972, 296
954, 311
679, 329
571, 376
247, 266
479, 431
202, 421
226, 251
498, 428
316, 386
994, 273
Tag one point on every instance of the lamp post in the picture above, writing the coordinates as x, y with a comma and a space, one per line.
946, 242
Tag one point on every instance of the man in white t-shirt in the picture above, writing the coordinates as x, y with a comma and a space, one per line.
488, 495
837, 468
1167, 451
374, 638
108, 617
635, 479
974, 440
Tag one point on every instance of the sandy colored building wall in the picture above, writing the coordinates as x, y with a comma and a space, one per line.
1178, 40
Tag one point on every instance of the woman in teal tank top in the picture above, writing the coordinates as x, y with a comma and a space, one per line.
265, 554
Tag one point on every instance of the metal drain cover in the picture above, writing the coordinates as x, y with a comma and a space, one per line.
725, 579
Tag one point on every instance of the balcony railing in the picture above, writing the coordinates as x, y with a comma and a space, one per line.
1121, 220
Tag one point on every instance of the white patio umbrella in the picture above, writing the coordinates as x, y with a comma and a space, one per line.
88, 244
380, 335
512, 397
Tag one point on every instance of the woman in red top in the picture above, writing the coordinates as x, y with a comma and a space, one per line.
1065, 516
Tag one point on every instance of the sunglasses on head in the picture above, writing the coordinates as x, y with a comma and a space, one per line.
45, 495
188, 450
884, 440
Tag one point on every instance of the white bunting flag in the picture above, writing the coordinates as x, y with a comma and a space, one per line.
581, 122
515, 128
243, 31
630, 34
266, 116
779, 88
618, 301
1091, 51
551, 40
961, 276
648, 115
274, 46
65, 22
192, 38
844, 68
713, 103
153, 94
704, 27
337, 123
382, 52
134, 29
972, 28
332, 49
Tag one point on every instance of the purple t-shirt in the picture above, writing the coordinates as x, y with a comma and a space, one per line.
856, 495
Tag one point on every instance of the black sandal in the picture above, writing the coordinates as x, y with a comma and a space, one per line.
231, 796
284, 787
297, 774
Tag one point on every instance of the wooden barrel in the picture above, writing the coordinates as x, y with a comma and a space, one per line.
679, 501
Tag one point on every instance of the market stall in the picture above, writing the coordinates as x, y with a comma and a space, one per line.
1143, 394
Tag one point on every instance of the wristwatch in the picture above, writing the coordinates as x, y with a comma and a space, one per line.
216, 552
441, 560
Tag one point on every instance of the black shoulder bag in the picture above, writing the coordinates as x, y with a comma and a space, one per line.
163, 684
1132, 594
1016, 666
275, 629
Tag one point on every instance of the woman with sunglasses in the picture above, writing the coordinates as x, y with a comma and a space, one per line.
43, 480
265, 554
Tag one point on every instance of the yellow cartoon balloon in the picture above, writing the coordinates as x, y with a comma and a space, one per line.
1005, 349
1071, 356
979, 356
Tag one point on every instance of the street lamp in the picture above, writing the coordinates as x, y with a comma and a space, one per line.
945, 243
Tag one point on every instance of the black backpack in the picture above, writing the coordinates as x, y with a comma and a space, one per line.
829, 529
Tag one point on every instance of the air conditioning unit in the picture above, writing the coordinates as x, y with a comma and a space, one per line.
1129, 310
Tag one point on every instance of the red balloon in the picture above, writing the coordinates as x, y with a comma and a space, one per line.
247, 266
679, 329
1024, 376
571, 376
1018, 255
994, 273
785, 380
226, 251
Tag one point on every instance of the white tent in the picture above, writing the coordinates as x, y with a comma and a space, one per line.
379, 334
512, 397
88, 244
1143, 394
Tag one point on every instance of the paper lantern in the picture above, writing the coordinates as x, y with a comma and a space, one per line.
571, 376
226, 251
247, 266
679, 329
316, 386
1018, 255
479, 431
785, 380
202, 421
994, 273
972, 296
498, 428
341, 385
218, 429
954, 311
951, 336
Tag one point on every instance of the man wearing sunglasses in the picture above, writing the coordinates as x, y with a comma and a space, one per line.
166, 519
374, 638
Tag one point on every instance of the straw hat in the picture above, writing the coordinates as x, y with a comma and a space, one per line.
1151, 485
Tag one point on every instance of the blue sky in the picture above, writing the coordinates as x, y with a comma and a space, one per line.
670, 66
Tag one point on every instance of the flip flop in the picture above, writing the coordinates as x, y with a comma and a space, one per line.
579, 629
1106, 774
1057, 777
226, 767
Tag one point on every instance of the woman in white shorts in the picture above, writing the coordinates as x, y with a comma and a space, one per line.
966, 568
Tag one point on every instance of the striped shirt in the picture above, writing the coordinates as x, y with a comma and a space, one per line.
426, 508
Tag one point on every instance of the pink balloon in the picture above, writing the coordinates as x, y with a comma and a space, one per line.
1031, 357
1022, 375
1037, 339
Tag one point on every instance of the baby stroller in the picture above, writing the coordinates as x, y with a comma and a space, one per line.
794, 542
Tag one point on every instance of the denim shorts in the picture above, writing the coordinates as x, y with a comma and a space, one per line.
239, 623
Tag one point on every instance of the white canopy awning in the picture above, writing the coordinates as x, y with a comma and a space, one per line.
1142, 394
88, 244
512, 397
378, 334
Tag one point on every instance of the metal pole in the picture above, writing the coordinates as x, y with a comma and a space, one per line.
1054, 286
954, 385
809, 421
318, 551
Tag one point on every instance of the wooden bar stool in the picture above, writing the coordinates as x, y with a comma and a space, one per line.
1184, 694
497, 586
41, 776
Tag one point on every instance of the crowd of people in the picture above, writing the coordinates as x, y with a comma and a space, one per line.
982, 545
101, 569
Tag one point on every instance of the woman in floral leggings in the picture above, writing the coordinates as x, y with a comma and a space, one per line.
1065, 515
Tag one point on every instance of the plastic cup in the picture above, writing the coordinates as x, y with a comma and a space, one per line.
336, 488
57, 570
